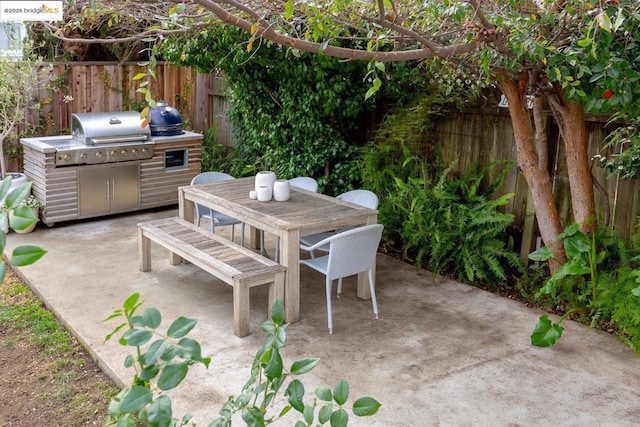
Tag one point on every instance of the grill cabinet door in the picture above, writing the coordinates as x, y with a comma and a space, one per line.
109, 189
93, 191
125, 188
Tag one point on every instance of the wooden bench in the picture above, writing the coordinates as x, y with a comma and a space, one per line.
231, 263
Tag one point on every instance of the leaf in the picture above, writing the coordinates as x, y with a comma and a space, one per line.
377, 83
324, 394
172, 375
365, 406
26, 255
277, 312
274, 368
545, 253
152, 318
253, 417
325, 414
303, 366
295, 393
288, 9
341, 392
22, 218
136, 399
155, 352
339, 418
546, 333
604, 21
181, 327
159, 413
137, 337
149, 372
139, 76
17, 195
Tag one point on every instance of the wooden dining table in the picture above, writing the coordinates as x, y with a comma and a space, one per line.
304, 213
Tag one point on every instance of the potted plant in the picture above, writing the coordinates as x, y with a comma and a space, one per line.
36, 206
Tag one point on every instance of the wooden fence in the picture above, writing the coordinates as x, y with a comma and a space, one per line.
471, 137
485, 136
82, 87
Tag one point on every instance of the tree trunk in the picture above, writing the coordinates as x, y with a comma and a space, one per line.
570, 119
535, 172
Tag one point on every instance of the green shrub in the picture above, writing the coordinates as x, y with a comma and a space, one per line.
452, 226
598, 285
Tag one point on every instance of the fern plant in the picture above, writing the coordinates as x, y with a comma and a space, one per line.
454, 228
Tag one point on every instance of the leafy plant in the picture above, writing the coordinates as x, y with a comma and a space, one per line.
452, 226
600, 283
22, 219
165, 362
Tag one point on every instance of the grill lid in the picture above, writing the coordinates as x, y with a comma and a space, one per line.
109, 128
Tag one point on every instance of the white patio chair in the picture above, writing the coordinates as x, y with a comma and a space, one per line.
304, 182
350, 252
365, 198
217, 219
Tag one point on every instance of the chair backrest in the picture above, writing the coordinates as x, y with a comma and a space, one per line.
206, 178
304, 182
353, 251
365, 198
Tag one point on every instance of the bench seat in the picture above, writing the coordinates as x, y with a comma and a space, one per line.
229, 262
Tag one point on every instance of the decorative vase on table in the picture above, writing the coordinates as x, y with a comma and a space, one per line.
281, 190
265, 179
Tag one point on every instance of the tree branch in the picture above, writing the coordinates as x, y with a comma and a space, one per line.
339, 52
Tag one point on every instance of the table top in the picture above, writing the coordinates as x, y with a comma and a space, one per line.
305, 211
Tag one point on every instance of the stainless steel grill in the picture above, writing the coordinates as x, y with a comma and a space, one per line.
105, 138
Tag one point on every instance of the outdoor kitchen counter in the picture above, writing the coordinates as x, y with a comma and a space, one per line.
45, 144
49, 144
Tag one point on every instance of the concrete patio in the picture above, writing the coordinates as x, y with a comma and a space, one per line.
441, 354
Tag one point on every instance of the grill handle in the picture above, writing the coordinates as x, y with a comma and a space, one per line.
131, 138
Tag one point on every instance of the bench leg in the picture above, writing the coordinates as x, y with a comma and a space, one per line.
144, 251
241, 315
174, 259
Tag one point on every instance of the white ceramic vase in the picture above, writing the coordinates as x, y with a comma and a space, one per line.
264, 193
265, 179
281, 190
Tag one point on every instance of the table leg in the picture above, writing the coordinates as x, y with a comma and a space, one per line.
186, 208
290, 258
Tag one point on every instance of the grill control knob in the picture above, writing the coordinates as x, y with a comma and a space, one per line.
114, 153
124, 153
83, 156
66, 157
134, 151
144, 150
99, 155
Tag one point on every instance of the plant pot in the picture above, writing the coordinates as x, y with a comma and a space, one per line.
18, 179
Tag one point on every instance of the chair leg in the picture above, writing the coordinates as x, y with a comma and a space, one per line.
372, 288
262, 242
242, 235
276, 257
233, 230
339, 287
329, 285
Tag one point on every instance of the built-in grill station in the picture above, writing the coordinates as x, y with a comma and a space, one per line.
105, 138
111, 163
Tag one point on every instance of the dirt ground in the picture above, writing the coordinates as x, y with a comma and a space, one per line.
38, 389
